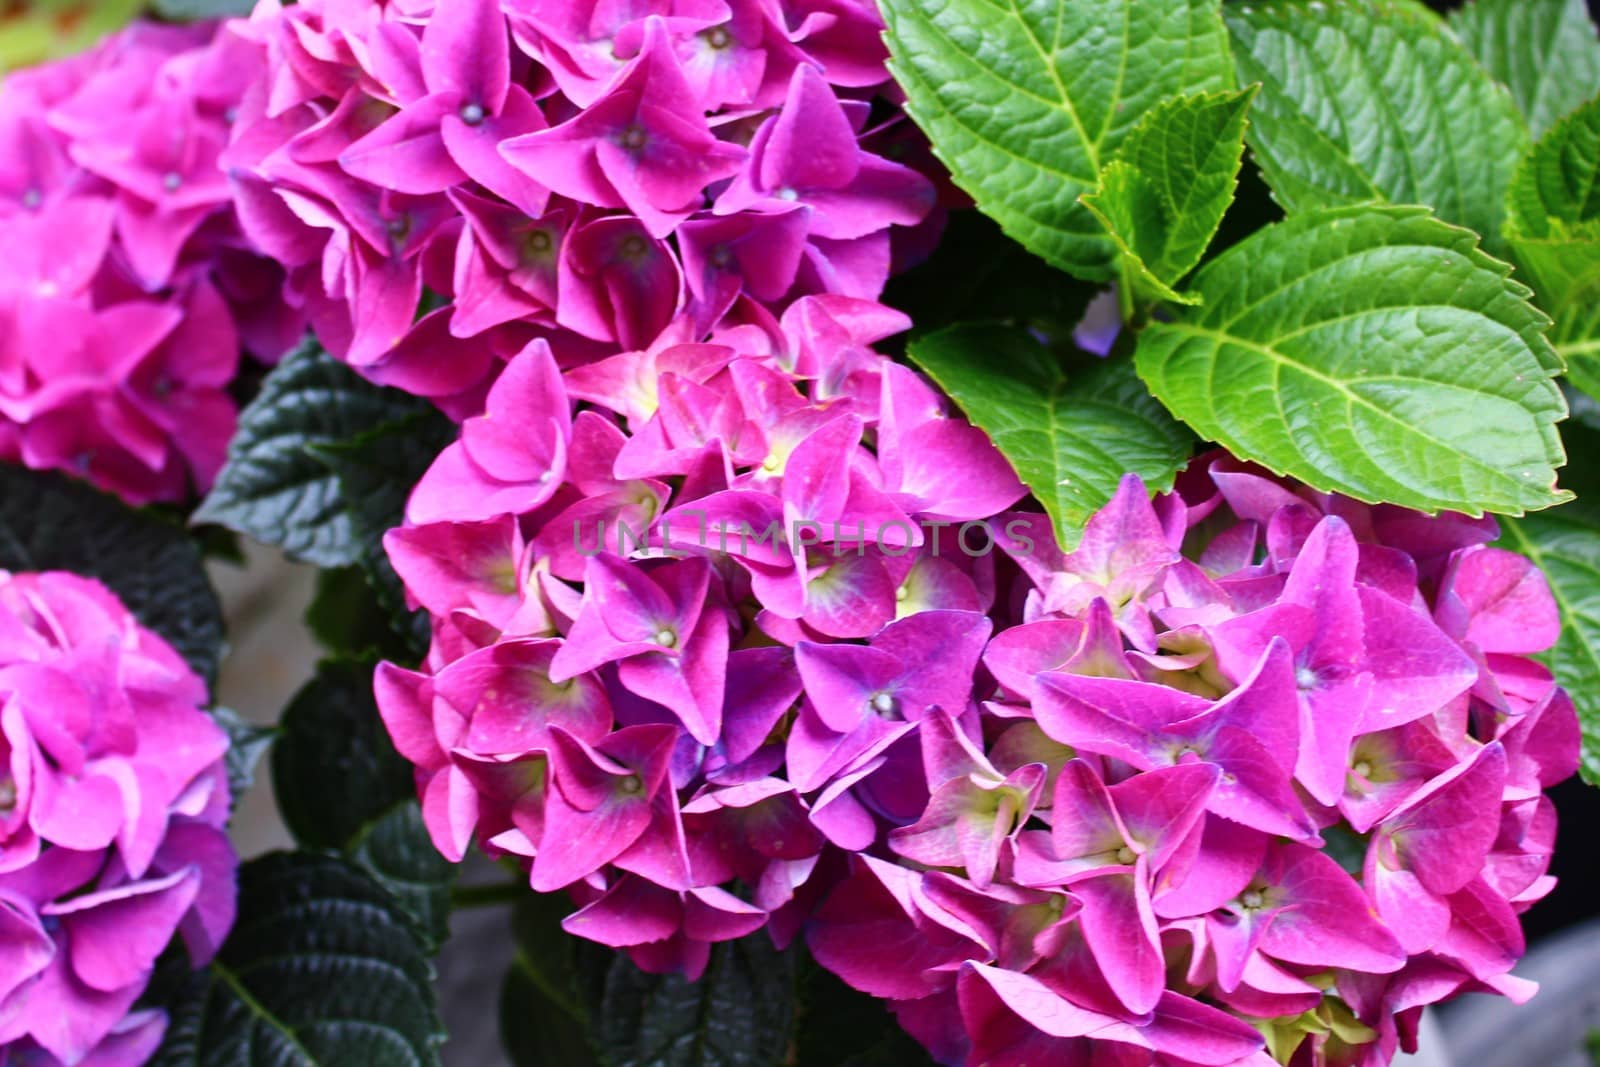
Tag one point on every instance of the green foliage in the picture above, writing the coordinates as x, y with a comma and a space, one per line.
341, 787
278, 486
1072, 433
1374, 352
246, 745
1375, 100
50, 522
1544, 51
323, 968
739, 1014
1027, 101
554, 981
1164, 196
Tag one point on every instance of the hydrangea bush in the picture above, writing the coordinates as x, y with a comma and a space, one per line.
875, 530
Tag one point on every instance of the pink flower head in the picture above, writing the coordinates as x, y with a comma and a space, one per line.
752, 642
593, 172
113, 812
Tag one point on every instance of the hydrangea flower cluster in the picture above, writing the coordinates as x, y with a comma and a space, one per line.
126, 287
585, 173
113, 812
740, 633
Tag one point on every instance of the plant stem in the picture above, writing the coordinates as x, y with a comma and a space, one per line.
487, 896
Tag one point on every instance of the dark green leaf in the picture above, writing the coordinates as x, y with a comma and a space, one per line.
840, 1027
1371, 351
1070, 435
1544, 51
544, 1005
50, 522
334, 769
1027, 101
977, 273
323, 969
349, 619
396, 849
1375, 100
274, 487
740, 1013
1164, 196
246, 745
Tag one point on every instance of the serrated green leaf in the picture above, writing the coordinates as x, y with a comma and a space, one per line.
1375, 100
395, 849
50, 522
1565, 544
977, 273
246, 745
739, 1014
323, 969
342, 787
1544, 51
1164, 196
1070, 435
334, 770
1025, 101
1553, 227
273, 487
1371, 351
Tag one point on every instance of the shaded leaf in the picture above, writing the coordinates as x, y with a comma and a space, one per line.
323, 969
1544, 51
1375, 99
51, 522
247, 743
273, 487
1071, 436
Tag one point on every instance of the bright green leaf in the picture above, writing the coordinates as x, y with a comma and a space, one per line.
323, 969
1164, 196
1027, 100
273, 487
1070, 435
1371, 351
51, 522
1544, 51
1375, 99
739, 1014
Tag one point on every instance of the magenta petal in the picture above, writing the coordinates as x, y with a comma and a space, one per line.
114, 936
1120, 927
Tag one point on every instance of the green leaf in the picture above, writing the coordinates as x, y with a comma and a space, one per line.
1164, 196
1544, 51
978, 273
323, 969
50, 522
1375, 100
1553, 227
842, 1027
1027, 100
544, 1004
246, 744
1070, 435
342, 787
1565, 544
1371, 351
274, 487
395, 848
739, 1014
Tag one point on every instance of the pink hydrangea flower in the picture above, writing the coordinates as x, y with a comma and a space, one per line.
753, 641
127, 290
581, 174
113, 815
